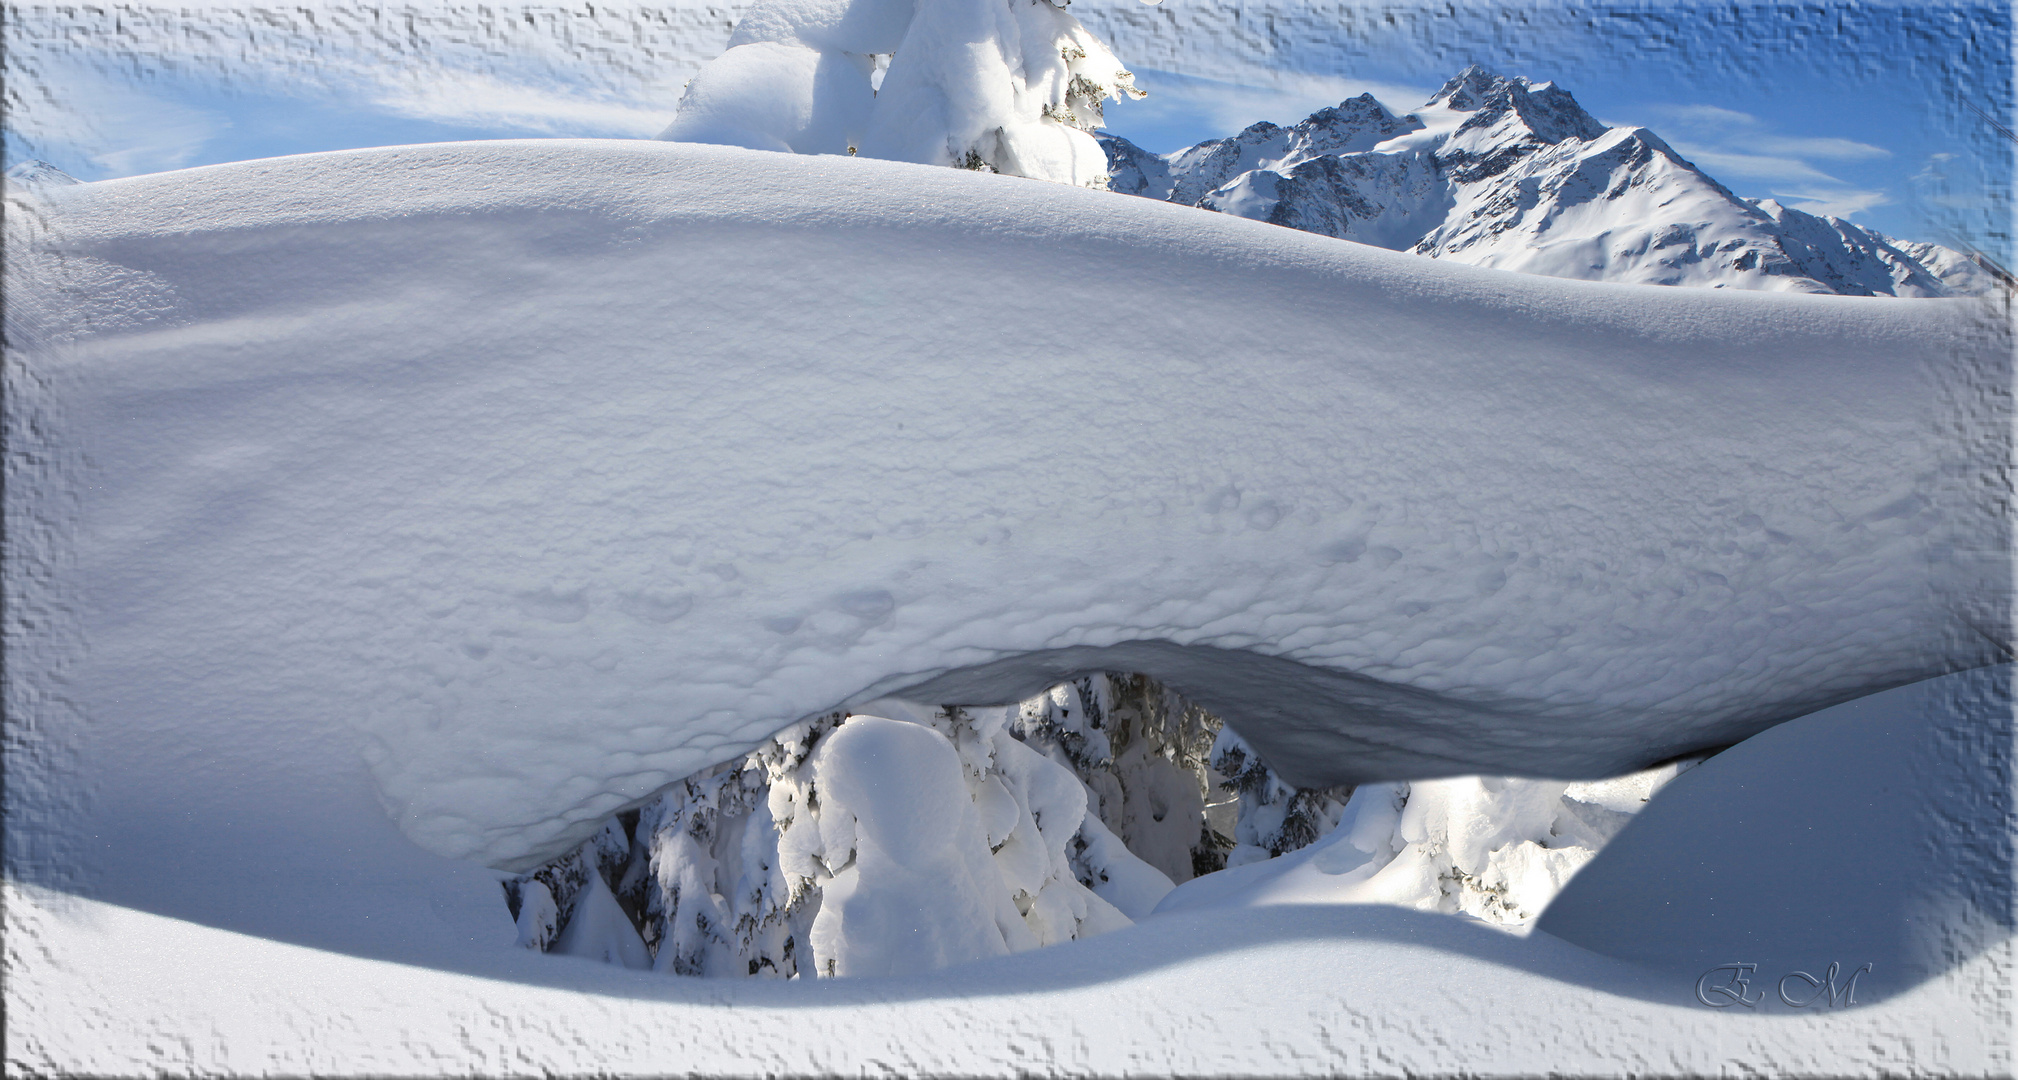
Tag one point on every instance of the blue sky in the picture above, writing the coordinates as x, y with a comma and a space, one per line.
1852, 110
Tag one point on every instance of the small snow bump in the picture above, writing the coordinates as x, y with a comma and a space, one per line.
781, 624
1264, 517
653, 607
1339, 551
1900, 507
870, 605
551, 606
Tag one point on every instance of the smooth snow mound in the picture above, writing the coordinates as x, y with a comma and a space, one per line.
1883, 826
548, 473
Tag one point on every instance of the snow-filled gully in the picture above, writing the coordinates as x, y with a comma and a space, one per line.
404, 516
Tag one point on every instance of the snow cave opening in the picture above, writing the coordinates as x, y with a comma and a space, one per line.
897, 837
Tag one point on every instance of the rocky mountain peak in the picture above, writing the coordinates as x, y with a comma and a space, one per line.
1551, 112
1351, 126
38, 173
1467, 90
1544, 110
1512, 115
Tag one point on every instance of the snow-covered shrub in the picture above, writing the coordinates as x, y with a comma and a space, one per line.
705, 876
1143, 753
543, 902
1273, 816
850, 844
1495, 848
1009, 86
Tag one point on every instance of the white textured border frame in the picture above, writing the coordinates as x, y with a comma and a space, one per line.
82, 998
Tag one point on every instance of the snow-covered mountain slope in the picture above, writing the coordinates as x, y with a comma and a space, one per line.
1501, 172
32, 174
546, 474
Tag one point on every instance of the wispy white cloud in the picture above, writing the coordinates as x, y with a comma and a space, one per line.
90, 109
1832, 149
1711, 124
1705, 116
1746, 153
1726, 164
1839, 202
472, 99
103, 129
1946, 182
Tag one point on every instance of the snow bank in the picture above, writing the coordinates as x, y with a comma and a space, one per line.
1295, 988
1876, 835
1291, 992
546, 474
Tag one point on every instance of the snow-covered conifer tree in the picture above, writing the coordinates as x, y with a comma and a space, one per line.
1009, 86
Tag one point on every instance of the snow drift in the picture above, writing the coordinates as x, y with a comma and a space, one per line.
548, 474
1277, 978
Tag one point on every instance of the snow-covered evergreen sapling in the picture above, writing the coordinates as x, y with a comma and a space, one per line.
1008, 86
846, 844
1274, 816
